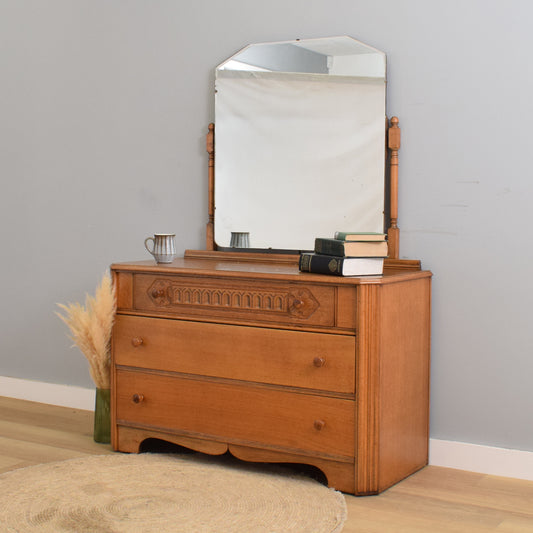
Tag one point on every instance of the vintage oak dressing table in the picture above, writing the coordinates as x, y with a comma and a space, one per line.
239, 351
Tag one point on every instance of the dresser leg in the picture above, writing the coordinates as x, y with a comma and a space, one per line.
339, 474
340, 477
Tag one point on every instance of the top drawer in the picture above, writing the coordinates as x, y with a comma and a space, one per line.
258, 301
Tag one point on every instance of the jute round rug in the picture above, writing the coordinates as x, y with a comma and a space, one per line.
165, 493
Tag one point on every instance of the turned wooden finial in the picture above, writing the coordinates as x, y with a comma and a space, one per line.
394, 141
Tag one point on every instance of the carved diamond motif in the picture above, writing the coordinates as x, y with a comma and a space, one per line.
302, 303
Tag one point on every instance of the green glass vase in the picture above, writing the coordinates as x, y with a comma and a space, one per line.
102, 416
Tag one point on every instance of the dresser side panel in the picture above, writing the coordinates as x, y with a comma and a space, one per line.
404, 379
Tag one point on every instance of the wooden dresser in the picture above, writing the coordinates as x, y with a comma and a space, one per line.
275, 365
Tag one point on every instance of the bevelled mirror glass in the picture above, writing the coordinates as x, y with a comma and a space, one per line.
299, 142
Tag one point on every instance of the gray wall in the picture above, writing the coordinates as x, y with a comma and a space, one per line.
103, 110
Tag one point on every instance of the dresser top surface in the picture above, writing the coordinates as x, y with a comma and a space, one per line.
259, 270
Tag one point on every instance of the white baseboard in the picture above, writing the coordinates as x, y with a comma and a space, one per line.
51, 393
483, 459
450, 454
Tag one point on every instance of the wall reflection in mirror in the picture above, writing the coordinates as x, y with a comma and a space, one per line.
299, 142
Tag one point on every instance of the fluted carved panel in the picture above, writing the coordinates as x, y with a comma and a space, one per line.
298, 303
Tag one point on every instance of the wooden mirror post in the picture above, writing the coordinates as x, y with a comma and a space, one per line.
210, 147
393, 232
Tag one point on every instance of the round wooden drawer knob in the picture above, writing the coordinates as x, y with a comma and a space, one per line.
297, 303
158, 293
137, 398
319, 361
319, 425
137, 341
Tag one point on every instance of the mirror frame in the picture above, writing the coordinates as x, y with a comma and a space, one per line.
299, 126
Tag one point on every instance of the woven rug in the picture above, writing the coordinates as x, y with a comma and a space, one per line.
165, 493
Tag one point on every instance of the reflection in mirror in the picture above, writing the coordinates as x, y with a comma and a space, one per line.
300, 142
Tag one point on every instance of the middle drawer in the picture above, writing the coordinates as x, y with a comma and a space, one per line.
290, 358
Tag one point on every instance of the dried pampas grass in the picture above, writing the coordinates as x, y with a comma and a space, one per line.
90, 327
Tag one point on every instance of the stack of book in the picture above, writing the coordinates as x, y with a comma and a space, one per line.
347, 254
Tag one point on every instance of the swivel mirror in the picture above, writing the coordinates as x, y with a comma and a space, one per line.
300, 142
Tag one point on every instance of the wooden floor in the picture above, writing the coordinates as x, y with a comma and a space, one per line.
432, 501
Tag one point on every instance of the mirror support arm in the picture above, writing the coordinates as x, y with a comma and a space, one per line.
394, 135
210, 147
393, 143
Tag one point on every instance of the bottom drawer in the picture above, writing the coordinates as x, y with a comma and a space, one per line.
237, 413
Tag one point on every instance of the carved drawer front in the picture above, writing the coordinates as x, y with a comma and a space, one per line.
237, 414
227, 299
291, 358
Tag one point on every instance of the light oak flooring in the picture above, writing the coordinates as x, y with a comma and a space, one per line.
432, 501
